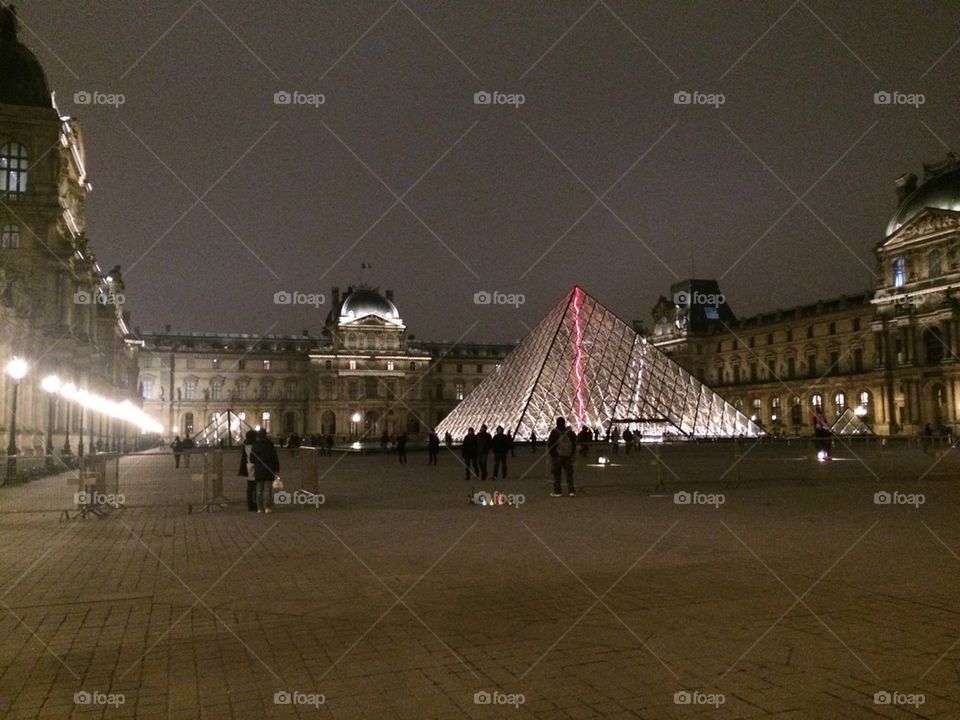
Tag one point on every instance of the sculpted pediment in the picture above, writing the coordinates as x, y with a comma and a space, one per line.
929, 222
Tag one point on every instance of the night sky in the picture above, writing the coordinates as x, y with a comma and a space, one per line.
297, 197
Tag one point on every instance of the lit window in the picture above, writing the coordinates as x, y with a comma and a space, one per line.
353, 364
459, 391
147, 385
817, 402
840, 402
933, 263
216, 390
899, 272
266, 389
266, 364
13, 169
265, 421
390, 365
216, 363
10, 236
190, 389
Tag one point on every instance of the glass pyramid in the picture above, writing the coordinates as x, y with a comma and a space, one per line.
226, 427
849, 423
585, 364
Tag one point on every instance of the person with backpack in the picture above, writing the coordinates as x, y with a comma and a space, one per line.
562, 444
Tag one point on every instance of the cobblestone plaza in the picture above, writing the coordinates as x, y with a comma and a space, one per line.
694, 581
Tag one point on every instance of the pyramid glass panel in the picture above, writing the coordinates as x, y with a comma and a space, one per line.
849, 423
585, 364
226, 427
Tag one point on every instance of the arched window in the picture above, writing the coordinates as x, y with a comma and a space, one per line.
775, 410
13, 169
839, 403
796, 411
933, 263
816, 401
863, 406
9, 236
899, 272
934, 344
188, 425
757, 412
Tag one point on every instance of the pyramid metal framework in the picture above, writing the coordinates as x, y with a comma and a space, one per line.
585, 364
849, 423
226, 427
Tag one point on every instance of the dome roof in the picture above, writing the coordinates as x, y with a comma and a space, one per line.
22, 80
361, 302
940, 190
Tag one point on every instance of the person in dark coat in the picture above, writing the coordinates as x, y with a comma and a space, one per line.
246, 469
562, 444
433, 448
500, 444
402, 448
448, 440
483, 449
266, 469
469, 452
177, 447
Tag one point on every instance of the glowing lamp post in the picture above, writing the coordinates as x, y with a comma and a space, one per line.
16, 369
50, 384
355, 419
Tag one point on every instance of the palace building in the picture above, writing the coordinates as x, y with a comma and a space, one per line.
892, 354
361, 376
61, 315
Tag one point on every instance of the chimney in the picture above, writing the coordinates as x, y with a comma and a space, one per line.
336, 297
906, 184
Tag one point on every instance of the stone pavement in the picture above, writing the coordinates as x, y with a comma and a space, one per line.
789, 593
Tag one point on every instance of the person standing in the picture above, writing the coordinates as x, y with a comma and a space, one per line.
562, 444
448, 440
266, 469
469, 452
433, 448
247, 470
500, 444
583, 440
627, 439
402, 448
483, 449
533, 440
177, 447
615, 440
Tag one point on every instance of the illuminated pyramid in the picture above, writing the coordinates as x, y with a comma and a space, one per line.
849, 423
585, 364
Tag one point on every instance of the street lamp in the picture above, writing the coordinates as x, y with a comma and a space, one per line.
50, 384
355, 419
16, 369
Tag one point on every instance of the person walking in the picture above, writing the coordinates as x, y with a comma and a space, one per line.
266, 469
247, 469
483, 450
500, 444
433, 448
469, 452
402, 448
177, 447
562, 444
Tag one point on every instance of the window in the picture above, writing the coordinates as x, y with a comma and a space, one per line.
816, 401
391, 388
290, 391
266, 389
413, 366
863, 409
899, 272
791, 368
858, 359
839, 403
147, 388
458, 394
832, 328
770, 339
352, 365
439, 391
241, 364
190, 389
328, 365
370, 387
146, 361
810, 332
13, 169
753, 341
265, 421
188, 424
736, 374
241, 391
191, 363
811, 365
216, 390
10, 236
480, 369
796, 411
753, 370
352, 390
216, 363
459, 368
933, 263
266, 364
834, 362
856, 324
757, 415
790, 335
390, 365
775, 410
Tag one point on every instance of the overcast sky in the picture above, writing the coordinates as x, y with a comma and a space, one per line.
777, 179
